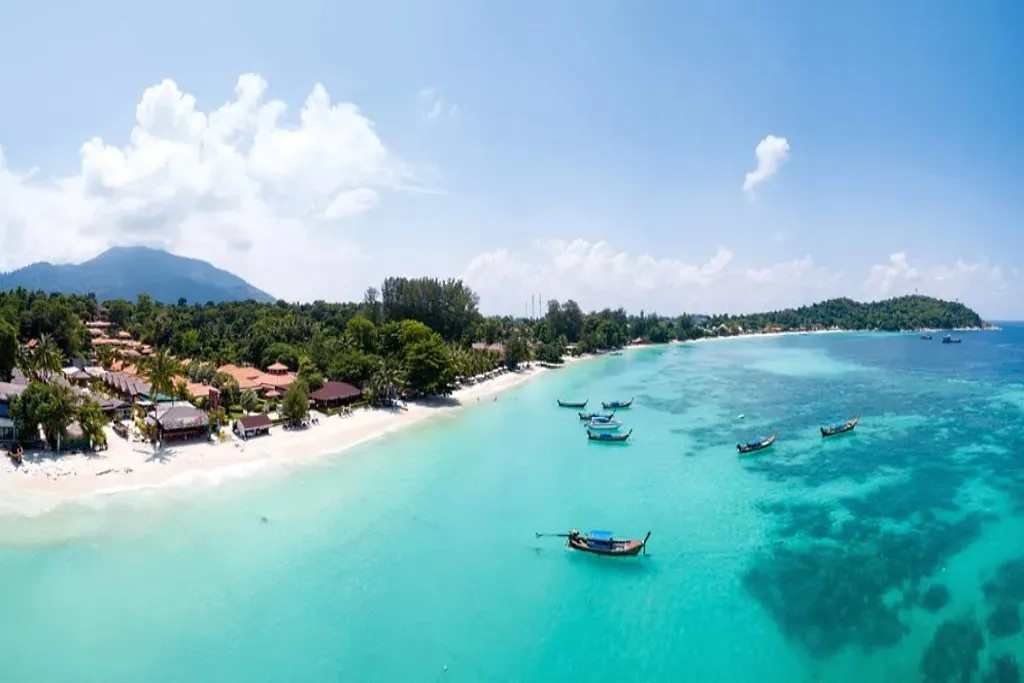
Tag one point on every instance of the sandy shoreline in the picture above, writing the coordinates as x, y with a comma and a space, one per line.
46, 481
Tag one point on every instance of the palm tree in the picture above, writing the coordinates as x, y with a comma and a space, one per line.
105, 355
386, 384
160, 369
41, 362
59, 412
91, 419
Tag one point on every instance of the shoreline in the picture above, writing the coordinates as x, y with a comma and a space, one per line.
46, 481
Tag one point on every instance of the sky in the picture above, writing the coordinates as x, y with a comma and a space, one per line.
669, 157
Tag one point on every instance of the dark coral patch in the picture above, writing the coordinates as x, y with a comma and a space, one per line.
953, 654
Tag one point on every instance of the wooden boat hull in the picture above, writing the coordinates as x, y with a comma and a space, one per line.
603, 417
624, 548
744, 448
607, 437
843, 429
572, 404
617, 405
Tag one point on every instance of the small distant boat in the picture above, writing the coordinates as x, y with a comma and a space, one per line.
607, 436
604, 425
615, 405
926, 337
951, 340
615, 353
602, 417
573, 404
840, 427
751, 446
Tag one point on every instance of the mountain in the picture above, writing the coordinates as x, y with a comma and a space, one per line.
126, 272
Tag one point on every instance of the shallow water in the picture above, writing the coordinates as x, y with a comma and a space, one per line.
894, 553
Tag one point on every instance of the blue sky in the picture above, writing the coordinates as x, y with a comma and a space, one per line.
587, 150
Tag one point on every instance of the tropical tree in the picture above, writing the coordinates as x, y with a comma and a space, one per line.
249, 401
160, 369
91, 419
386, 384
516, 351
41, 363
295, 406
105, 356
181, 390
8, 350
428, 367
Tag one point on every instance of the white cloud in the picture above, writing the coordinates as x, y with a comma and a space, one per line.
984, 286
433, 106
241, 182
598, 275
771, 153
895, 275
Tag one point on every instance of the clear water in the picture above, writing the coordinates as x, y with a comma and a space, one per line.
414, 558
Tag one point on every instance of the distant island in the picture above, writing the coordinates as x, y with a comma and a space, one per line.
127, 272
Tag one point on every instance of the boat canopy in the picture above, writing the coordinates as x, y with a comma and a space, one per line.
600, 536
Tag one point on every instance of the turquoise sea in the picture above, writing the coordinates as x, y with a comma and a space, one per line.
894, 553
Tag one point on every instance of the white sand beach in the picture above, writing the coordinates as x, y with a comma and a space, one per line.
46, 480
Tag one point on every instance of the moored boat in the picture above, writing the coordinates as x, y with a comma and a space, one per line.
756, 445
604, 425
607, 436
926, 337
615, 405
949, 339
573, 404
603, 417
840, 427
604, 543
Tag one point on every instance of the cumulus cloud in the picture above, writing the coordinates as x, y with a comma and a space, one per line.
433, 106
982, 285
244, 181
771, 153
598, 275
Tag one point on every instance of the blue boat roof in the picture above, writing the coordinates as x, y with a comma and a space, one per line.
599, 535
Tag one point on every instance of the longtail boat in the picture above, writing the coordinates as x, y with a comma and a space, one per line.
948, 339
573, 404
604, 425
601, 417
607, 436
751, 446
615, 405
604, 543
840, 427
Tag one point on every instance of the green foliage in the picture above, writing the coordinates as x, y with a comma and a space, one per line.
386, 384
41, 362
362, 334
50, 406
428, 367
517, 351
161, 369
92, 420
230, 394
281, 352
8, 350
295, 405
551, 352
310, 375
353, 366
249, 401
447, 306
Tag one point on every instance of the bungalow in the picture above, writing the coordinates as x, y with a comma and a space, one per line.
496, 348
252, 425
333, 394
130, 387
179, 422
116, 409
8, 433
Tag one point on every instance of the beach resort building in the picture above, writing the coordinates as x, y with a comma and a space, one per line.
270, 384
334, 394
252, 425
179, 421
8, 391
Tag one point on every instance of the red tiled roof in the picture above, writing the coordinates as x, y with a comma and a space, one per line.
335, 391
